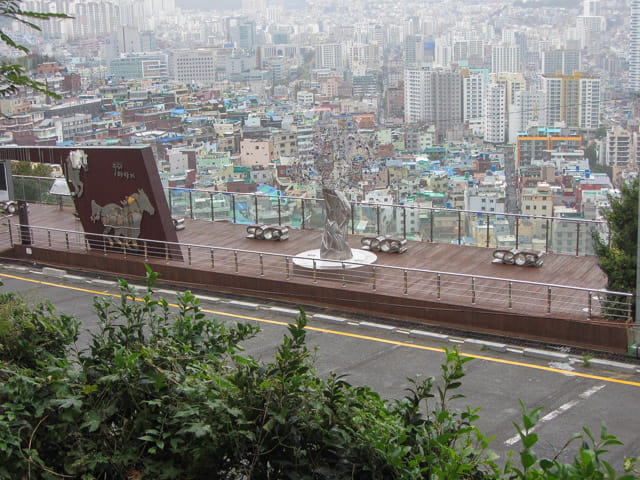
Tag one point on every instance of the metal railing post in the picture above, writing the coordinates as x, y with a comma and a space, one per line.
589, 304
577, 239
548, 299
279, 211
213, 218
404, 222
438, 280
146, 253
373, 277
315, 272
233, 207
510, 295
546, 237
255, 205
261, 266
431, 227
66, 239
49, 238
286, 268
10, 233
344, 277
517, 231
487, 244
191, 204
405, 282
353, 219
378, 219
473, 290
189, 254
302, 208
459, 227
235, 259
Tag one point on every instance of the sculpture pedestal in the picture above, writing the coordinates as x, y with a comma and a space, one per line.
309, 264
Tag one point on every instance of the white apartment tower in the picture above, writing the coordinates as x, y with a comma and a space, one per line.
495, 128
474, 84
433, 96
505, 58
329, 55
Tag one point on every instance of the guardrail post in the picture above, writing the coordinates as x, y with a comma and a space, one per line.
473, 290
459, 227
378, 219
589, 304
344, 280
548, 299
189, 254
405, 282
315, 272
49, 238
629, 310
10, 233
302, 209
517, 231
66, 239
373, 277
86, 244
235, 259
191, 204
213, 261
124, 249
170, 202
438, 292
577, 238
213, 219
146, 253
166, 252
261, 266
286, 267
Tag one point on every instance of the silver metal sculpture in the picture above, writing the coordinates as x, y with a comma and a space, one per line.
334, 244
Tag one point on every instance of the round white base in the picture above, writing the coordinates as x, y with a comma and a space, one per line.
359, 258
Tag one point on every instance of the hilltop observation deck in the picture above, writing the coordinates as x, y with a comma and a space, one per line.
442, 279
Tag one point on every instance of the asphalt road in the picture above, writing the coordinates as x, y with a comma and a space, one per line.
571, 394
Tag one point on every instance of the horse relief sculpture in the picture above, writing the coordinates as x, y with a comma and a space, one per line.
123, 220
76, 161
334, 238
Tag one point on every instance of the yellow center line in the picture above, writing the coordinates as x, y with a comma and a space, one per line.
352, 335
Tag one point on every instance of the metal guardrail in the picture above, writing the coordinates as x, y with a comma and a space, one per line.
561, 235
453, 288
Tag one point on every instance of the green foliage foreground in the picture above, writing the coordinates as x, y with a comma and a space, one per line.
160, 394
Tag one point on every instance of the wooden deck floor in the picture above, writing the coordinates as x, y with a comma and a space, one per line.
401, 282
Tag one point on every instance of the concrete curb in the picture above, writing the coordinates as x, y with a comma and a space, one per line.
328, 318
289, 312
246, 305
545, 355
54, 272
496, 347
430, 335
378, 326
203, 298
617, 366
106, 283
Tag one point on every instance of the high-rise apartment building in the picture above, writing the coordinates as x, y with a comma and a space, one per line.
433, 96
329, 55
634, 48
572, 100
474, 84
506, 58
495, 126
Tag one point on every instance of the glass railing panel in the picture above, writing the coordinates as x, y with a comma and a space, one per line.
222, 207
201, 205
444, 225
532, 233
179, 202
314, 209
245, 210
411, 219
364, 219
563, 236
268, 212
